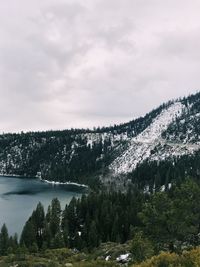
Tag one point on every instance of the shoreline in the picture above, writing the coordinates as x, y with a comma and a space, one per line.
12, 175
63, 183
44, 180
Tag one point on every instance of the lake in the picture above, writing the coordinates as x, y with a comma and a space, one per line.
19, 196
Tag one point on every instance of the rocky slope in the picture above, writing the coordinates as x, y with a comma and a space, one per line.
158, 141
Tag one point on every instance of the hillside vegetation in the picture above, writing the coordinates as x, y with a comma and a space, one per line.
108, 155
114, 227
144, 209
166, 259
70, 258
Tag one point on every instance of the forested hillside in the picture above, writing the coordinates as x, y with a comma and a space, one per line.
111, 155
75, 155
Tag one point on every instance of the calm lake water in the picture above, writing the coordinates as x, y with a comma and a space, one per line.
19, 196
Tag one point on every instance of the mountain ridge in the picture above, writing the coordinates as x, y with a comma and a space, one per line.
142, 145
87, 156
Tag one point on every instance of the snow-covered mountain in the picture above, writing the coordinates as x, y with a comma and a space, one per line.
169, 133
142, 146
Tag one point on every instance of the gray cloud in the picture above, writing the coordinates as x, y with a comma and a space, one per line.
72, 63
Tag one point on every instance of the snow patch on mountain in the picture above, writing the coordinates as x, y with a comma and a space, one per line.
140, 147
93, 138
166, 150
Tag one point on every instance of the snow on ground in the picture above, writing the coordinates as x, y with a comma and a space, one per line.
171, 149
123, 258
63, 183
141, 146
97, 137
108, 258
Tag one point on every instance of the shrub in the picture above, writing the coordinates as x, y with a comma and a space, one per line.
141, 248
166, 259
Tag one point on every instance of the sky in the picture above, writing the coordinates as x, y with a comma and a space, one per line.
75, 63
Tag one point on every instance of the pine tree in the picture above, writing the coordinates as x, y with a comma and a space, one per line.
58, 241
141, 248
115, 229
38, 220
13, 244
47, 236
93, 236
38, 217
55, 220
48, 214
28, 236
4, 240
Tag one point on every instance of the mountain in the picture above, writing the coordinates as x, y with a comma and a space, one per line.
166, 140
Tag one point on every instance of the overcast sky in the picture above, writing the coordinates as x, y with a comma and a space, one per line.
84, 63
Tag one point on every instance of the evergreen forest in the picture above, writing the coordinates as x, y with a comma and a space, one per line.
166, 220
